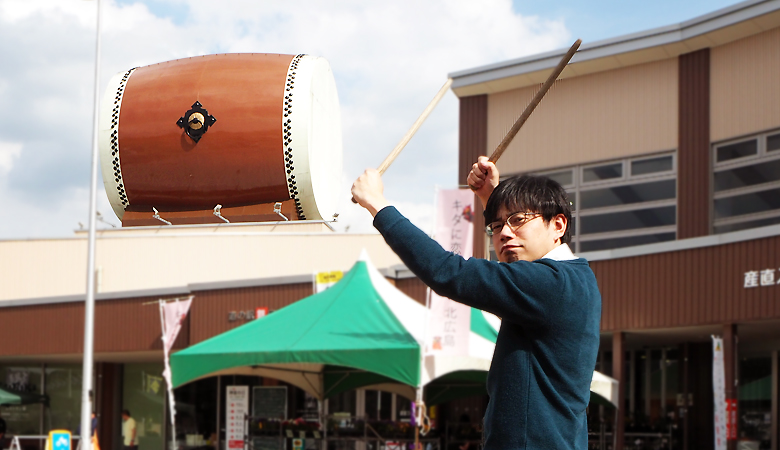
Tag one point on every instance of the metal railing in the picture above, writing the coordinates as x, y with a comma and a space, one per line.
632, 441
344, 434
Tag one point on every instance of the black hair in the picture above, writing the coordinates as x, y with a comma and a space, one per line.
531, 193
126, 412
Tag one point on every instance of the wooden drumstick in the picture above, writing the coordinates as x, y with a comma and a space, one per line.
415, 126
535, 101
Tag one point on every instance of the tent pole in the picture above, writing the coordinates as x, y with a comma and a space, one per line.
219, 405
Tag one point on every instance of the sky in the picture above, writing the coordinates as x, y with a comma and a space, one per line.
388, 60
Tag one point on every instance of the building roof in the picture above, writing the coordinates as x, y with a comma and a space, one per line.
713, 29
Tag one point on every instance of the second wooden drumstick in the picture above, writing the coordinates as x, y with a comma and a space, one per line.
535, 101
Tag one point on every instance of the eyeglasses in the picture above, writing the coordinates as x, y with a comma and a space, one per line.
514, 221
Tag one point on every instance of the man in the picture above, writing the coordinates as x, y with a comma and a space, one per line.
128, 431
539, 379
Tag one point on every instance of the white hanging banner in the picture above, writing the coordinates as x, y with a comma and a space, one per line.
172, 316
450, 321
719, 391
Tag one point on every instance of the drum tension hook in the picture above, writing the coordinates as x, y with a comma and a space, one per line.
278, 210
196, 121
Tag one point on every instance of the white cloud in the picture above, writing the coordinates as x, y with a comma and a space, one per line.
389, 59
9, 151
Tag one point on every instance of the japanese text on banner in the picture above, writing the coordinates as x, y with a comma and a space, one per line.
450, 321
236, 406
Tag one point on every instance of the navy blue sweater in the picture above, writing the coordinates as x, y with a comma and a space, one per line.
539, 379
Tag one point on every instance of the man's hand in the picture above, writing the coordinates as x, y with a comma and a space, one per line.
368, 191
483, 178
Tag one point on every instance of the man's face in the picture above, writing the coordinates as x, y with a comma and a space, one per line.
125, 416
529, 242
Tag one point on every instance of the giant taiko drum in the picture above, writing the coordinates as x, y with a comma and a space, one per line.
231, 129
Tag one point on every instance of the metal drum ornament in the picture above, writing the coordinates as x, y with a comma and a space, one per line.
232, 129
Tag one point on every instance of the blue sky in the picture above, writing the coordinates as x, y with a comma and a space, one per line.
602, 19
388, 58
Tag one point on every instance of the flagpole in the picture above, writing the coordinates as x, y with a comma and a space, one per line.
89, 306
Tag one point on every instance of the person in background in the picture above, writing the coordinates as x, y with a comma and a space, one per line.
129, 441
95, 443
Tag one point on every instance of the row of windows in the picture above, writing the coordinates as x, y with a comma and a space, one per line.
746, 183
621, 203
634, 201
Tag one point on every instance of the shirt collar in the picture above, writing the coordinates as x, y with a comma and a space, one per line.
560, 253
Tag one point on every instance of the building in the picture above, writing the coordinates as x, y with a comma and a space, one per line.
231, 270
668, 142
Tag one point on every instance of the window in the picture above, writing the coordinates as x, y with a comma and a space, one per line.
736, 151
652, 165
637, 205
773, 143
564, 178
602, 172
746, 183
621, 203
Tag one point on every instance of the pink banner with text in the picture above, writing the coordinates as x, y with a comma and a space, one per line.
450, 321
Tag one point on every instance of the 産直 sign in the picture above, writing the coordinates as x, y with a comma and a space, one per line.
761, 278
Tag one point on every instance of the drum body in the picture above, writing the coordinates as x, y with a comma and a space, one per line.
272, 134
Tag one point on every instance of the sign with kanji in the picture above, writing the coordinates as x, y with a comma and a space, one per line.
731, 419
237, 405
450, 321
761, 278
719, 391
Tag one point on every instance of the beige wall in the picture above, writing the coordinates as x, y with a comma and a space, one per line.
133, 260
608, 115
745, 86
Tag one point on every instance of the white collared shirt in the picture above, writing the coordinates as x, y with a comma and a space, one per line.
560, 253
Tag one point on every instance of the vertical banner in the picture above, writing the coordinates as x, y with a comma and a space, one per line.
731, 418
172, 315
719, 391
450, 321
236, 407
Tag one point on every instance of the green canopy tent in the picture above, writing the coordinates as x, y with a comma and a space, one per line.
9, 397
362, 332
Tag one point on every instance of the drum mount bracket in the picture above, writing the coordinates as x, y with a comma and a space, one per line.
196, 121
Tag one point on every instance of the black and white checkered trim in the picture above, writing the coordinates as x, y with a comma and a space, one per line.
287, 123
114, 140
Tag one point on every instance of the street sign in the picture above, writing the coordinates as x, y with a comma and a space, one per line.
58, 440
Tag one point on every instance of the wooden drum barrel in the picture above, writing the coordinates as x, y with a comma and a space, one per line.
234, 129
